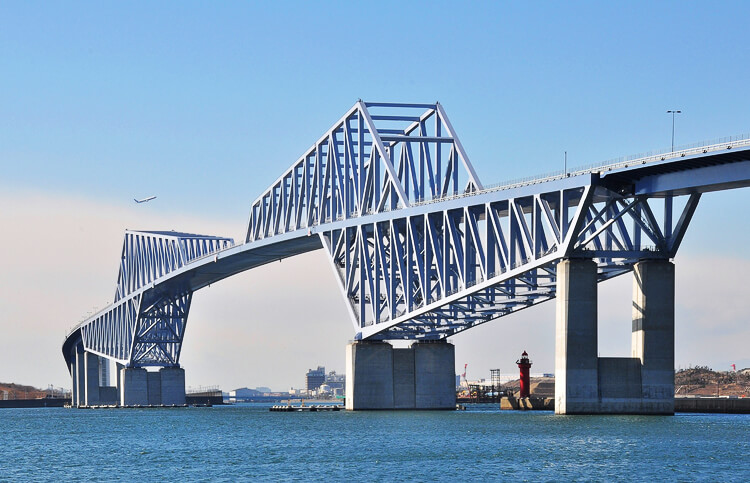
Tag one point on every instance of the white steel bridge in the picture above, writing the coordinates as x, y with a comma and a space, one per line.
421, 249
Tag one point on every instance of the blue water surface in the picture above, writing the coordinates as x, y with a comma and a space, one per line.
247, 442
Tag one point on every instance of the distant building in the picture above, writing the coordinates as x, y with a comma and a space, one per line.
243, 394
315, 378
320, 383
335, 381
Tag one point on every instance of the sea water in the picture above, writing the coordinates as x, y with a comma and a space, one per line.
247, 442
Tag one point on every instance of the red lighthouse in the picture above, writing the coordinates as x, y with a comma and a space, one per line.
524, 364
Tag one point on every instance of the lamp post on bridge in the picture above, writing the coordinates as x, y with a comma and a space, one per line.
673, 113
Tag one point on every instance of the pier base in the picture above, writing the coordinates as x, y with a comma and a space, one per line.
142, 388
91, 375
172, 386
381, 377
133, 387
653, 333
588, 384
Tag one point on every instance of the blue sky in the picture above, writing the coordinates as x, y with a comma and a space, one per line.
204, 105
128, 99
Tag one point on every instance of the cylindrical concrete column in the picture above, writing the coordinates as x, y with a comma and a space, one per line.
576, 358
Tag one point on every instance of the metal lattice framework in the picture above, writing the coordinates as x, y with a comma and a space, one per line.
420, 248
147, 327
148, 255
430, 275
367, 163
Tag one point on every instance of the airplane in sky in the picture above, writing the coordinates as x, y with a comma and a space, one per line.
144, 199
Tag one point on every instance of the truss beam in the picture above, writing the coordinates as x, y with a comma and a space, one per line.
430, 275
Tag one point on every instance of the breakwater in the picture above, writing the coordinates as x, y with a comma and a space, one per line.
47, 402
729, 405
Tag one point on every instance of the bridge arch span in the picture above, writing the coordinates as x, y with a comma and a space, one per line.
420, 248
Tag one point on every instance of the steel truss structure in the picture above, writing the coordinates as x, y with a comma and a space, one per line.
420, 248
146, 327
367, 163
433, 274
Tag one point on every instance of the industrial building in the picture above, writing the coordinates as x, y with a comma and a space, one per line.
315, 378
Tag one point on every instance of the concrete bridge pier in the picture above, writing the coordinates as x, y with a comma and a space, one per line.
419, 377
139, 387
588, 384
134, 386
89, 389
91, 379
653, 333
80, 376
74, 376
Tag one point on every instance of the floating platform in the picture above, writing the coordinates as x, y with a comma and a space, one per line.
309, 409
528, 403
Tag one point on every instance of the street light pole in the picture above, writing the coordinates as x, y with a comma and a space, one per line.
673, 113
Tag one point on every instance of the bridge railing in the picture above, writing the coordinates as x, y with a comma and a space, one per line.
728, 142
725, 143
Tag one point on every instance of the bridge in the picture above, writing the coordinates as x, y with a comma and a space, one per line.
422, 250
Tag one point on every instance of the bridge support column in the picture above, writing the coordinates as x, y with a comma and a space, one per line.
381, 377
74, 378
80, 376
172, 386
138, 387
653, 333
576, 360
91, 376
434, 375
588, 384
134, 387
369, 376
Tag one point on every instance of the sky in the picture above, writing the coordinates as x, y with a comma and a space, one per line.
204, 105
